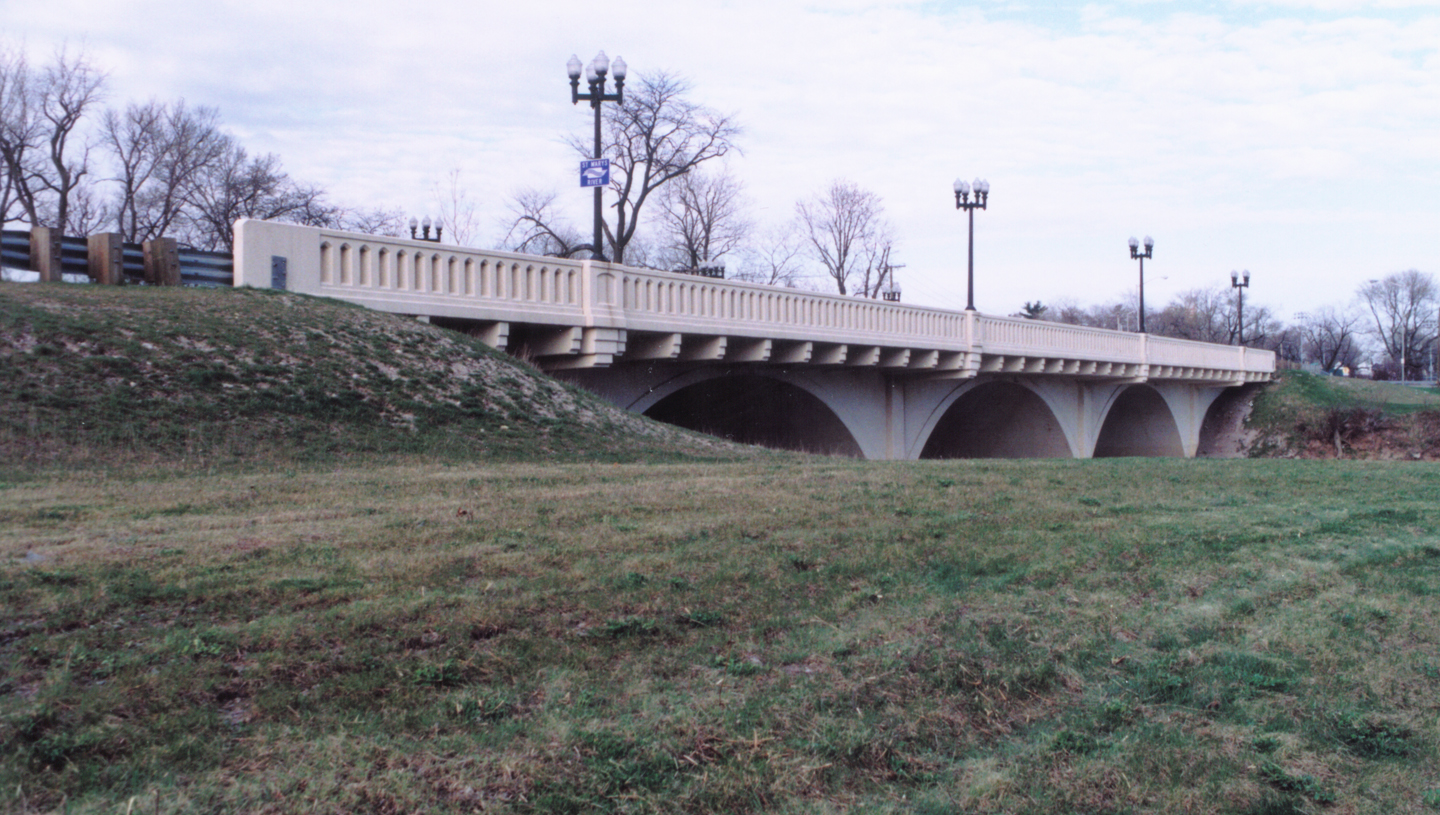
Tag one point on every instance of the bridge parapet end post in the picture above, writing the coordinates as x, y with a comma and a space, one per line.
258, 243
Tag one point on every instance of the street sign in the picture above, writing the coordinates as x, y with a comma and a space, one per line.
595, 172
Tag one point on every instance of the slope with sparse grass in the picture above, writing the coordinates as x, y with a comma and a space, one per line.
1305, 415
92, 374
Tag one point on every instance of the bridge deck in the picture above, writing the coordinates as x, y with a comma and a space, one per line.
580, 314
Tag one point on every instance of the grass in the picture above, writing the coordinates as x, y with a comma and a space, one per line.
785, 634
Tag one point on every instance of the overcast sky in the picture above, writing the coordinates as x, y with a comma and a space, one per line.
1299, 139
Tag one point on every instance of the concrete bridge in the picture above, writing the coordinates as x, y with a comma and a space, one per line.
780, 366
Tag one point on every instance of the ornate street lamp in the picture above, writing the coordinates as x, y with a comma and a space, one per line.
425, 236
1136, 254
962, 201
595, 76
1237, 283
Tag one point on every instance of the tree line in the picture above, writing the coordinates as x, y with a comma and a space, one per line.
1390, 322
157, 168
144, 170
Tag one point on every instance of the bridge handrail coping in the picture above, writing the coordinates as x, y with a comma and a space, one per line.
451, 280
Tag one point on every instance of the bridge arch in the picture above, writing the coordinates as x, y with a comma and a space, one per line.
996, 419
771, 409
1138, 421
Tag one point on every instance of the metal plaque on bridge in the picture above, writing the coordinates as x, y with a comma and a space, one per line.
595, 172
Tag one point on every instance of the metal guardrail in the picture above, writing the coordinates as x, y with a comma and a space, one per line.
133, 262
15, 248
74, 256
206, 269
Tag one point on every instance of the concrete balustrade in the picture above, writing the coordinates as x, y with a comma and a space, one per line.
617, 307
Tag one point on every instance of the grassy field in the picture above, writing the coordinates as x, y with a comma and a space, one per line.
782, 634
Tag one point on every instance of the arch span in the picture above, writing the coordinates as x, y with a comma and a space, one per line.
997, 420
1139, 423
759, 410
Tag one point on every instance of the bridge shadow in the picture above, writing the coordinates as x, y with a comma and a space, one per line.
758, 410
1139, 424
997, 420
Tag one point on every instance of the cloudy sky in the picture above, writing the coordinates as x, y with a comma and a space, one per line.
1299, 139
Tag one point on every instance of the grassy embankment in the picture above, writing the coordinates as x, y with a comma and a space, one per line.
376, 633
1313, 416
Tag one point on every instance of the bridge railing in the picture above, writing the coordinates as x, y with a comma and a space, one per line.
1191, 354
653, 300
421, 277
410, 276
1022, 337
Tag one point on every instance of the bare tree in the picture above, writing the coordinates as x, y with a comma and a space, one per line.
655, 137
39, 115
846, 231
702, 217
458, 214
66, 91
776, 258
1329, 338
236, 186
1204, 315
160, 151
20, 139
537, 228
390, 222
1402, 306
88, 212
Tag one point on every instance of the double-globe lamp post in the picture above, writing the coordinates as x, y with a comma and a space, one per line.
1136, 254
981, 190
1240, 286
595, 76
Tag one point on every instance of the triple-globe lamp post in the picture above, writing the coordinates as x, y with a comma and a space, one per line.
1240, 281
963, 191
595, 77
1136, 254
425, 236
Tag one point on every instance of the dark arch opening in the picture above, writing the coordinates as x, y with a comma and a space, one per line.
1222, 434
997, 420
1139, 424
758, 410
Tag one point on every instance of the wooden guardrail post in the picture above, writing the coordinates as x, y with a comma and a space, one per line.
107, 258
162, 262
45, 253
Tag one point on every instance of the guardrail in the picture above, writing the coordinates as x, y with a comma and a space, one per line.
15, 248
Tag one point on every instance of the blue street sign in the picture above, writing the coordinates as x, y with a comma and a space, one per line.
595, 172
